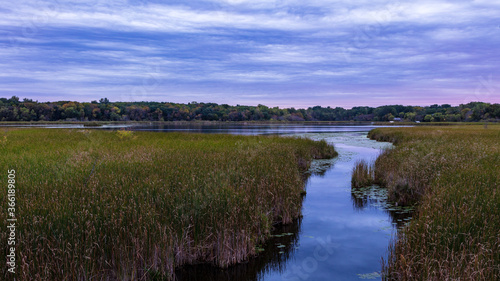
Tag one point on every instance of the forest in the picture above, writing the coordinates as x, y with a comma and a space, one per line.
13, 109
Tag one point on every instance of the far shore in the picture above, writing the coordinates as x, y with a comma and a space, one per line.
270, 122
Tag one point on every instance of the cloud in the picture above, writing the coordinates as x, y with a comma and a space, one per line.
284, 52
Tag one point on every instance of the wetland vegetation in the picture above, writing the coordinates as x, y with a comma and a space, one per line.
136, 205
452, 175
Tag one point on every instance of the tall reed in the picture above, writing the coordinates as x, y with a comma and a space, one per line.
362, 174
98, 205
452, 173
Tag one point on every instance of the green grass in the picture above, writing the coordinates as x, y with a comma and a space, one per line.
453, 174
121, 206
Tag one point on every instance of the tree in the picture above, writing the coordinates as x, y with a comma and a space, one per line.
388, 117
104, 101
14, 100
25, 114
158, 114
29, 110
466, 113
410, 116
428, 118
438, 117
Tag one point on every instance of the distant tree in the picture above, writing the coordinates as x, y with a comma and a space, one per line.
428, 118
12, 110
438, 117
410, 116
388, 117
466, 113
104, 101
14, 100
25, 114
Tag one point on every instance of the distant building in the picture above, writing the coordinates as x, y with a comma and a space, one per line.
398, 119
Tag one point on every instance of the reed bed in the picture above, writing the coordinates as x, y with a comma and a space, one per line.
453, 175
362, 174
100, 205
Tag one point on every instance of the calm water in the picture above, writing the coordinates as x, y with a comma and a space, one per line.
343, 233
230, 128
252, 129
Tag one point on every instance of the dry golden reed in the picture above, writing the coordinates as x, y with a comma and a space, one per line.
98, 205
453, 174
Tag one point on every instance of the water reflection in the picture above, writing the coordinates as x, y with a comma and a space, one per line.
216, 127
365, 197
272, 258
319, 167
376, 197
251, 129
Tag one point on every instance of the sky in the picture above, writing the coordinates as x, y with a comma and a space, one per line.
286, 53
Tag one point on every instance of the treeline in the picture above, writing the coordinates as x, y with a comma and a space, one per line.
14, 109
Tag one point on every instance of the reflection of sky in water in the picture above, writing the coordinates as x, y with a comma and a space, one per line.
256, 129
361, 236
69, 126
217, 128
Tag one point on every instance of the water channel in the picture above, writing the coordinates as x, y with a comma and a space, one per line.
342, 235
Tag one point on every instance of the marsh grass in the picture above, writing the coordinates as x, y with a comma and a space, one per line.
362, 174
96, 206
452, 173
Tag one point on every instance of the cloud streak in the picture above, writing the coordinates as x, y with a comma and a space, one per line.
281, 52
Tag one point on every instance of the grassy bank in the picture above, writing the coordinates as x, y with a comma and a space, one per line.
452, 173
122, 205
